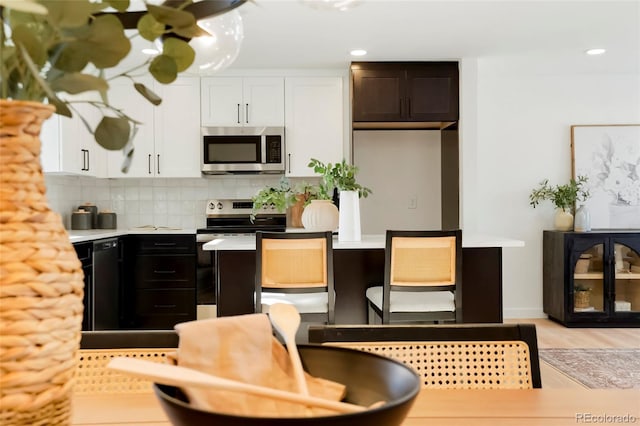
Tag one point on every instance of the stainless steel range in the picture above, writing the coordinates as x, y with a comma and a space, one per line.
233, 217
226, 218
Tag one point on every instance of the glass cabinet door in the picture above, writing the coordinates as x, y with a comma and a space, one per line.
588, 281
627, 279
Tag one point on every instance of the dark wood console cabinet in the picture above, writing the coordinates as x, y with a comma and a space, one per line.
592, 279
405, 92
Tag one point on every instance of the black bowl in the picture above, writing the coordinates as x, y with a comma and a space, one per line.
368, 377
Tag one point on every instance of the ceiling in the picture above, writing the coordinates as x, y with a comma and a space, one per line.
291, 34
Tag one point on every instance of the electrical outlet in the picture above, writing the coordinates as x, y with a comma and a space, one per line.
413, 202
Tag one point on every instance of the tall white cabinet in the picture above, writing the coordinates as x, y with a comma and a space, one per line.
68, 147
314, 122
167, 143
242, 101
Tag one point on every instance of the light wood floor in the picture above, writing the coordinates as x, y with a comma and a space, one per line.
553, 335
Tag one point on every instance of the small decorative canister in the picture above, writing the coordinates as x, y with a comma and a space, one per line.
81, 219
107, 220
93, 209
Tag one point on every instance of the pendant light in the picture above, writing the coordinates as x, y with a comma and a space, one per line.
221, 48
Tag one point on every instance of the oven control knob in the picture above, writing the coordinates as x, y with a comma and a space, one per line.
219, 205
212, 205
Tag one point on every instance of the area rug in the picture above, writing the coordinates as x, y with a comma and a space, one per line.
597, 368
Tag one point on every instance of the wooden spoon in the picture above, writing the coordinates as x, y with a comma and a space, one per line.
286, 320
181, 376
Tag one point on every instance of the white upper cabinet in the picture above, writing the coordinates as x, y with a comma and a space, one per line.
238, 101
167, 142
314, 122
69, 147
177, 129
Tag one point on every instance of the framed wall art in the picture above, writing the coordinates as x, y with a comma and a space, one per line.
609, 156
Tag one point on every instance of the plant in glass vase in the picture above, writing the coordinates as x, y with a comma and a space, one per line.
564, 198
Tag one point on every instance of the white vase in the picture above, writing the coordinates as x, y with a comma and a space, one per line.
582, 221
320, 215
563, 220
349, 224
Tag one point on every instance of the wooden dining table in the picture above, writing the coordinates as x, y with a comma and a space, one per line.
547, 407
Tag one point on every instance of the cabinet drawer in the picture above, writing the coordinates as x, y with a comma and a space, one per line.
169, 244
164, 308
165, 271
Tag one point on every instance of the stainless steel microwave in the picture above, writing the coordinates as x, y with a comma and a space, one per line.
243, 150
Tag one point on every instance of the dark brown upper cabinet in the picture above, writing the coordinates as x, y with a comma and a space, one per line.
418, 94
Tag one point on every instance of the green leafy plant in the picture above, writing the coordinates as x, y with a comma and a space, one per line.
581, 287
51, 48
563, 196
341, 176
282, 196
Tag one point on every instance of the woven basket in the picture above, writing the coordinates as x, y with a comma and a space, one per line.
582, 299
41, 281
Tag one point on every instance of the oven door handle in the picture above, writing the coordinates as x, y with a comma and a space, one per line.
263, 149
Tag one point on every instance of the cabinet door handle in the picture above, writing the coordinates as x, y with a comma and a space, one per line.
164, 272
149, 163
158, 164
164, 306
84, 160
164, 244
409, 106
400, 105
88, 160
238, 113
246, 113
289, 155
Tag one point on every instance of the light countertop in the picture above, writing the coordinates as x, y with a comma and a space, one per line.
372, 241
77, 236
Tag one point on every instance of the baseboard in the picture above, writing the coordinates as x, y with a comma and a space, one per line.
523, 313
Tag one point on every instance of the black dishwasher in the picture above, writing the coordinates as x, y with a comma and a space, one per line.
105, 300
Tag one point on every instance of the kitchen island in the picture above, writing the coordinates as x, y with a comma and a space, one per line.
359, 265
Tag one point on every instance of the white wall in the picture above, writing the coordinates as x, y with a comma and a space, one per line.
525, 107
403, 170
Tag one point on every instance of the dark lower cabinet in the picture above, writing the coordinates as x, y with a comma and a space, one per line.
161, 287
84, 251
357, 269
592, 279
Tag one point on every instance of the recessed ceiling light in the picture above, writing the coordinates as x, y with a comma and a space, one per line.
358, 52
595, 51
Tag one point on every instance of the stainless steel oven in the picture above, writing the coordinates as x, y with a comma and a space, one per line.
227, 218
243, 150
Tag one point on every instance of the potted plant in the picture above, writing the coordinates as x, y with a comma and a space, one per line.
342, 177
49, 49
285, 198
564, 198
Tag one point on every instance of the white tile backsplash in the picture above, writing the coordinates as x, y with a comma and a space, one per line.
159, 202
